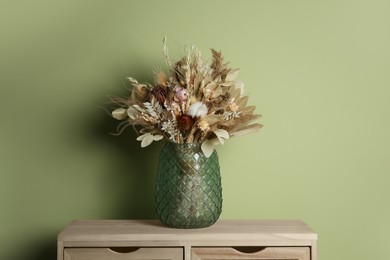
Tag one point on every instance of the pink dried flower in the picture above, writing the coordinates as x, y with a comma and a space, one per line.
180, 93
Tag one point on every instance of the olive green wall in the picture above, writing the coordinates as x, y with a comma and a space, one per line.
318, 72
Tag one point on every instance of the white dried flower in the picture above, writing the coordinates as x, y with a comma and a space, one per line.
169, 127
198, 109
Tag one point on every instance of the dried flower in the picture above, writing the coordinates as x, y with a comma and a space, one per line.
198, 109
181, 94
140, 93
184, 122
161, 78
196, 103
203, 125
160, 93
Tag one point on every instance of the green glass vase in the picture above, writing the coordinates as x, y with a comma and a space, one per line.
188, 190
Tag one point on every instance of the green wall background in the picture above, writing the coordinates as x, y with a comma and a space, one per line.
318, 72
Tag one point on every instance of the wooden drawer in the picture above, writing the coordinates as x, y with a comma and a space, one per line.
250, 253
225, 240
123, 253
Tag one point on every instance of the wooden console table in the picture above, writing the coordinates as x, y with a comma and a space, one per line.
148, 239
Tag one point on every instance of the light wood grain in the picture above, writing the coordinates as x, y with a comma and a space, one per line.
151, 234
112, 254
104, 232
263, 253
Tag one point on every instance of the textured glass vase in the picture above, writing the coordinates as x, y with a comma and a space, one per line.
188, 187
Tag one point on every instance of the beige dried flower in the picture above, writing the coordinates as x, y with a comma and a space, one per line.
195, 102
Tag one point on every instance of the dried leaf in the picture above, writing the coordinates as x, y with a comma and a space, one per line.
242, 101
212, 119
249, 109
139, 138
132, 112
207, 148
217, 92
229, 123
132, 80
247, 130
197, 82
147, 140
233, 74
240, 85
227, 84
221, 135
157, 137
119, 113
235, 94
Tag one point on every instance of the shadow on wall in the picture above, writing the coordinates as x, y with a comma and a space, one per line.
45, 250
129, 178
132, 173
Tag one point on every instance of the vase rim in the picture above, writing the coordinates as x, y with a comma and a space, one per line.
184, 144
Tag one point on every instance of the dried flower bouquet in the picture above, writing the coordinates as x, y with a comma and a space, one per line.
197, 102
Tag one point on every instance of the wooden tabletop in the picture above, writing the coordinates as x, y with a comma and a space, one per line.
233, 232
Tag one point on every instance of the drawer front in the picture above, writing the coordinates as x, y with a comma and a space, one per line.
123, 253
250, 253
